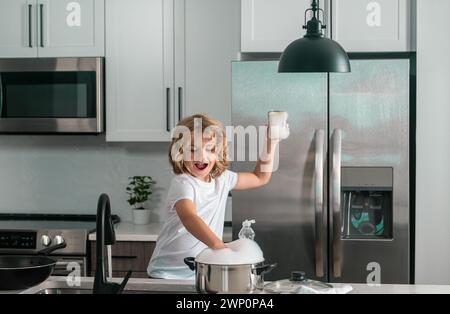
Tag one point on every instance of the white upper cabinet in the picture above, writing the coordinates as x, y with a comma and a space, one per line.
51, 28
165, 60
17, 28
207, 34
71, 28
139, 70
358, 25
372, 25
271, 25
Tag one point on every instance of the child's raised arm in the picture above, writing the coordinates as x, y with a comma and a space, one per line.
278, 129
196, 226
262, 173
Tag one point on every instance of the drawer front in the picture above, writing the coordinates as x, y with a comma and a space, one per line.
127, 256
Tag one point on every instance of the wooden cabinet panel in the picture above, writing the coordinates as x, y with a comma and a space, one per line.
126, 256
136, 274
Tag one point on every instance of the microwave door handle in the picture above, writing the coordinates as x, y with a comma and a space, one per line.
319, 204
336, 203
100, 102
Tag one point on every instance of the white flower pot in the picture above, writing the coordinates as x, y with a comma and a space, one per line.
141, 216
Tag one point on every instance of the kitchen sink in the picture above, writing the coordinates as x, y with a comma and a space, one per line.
89, 291
58, 285
64, 291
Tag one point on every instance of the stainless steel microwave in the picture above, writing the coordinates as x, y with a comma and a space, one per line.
52, 95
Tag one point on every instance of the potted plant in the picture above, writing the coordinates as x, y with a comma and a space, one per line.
140, 190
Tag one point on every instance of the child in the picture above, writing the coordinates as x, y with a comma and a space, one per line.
198, 194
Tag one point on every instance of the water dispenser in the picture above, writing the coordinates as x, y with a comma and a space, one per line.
367, 203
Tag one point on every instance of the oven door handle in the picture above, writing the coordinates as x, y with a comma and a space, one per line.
65, 264
65, 267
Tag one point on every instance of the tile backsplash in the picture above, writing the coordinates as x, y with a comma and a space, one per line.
66, 174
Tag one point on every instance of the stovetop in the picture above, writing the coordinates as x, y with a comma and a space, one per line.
31, 233
51, 222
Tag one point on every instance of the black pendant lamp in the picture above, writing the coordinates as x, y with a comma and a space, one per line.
314, 52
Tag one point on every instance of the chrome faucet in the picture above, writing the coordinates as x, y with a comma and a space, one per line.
105, 236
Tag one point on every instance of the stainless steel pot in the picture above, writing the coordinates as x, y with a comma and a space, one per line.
236, 279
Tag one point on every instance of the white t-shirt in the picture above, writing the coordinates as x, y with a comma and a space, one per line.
175, 243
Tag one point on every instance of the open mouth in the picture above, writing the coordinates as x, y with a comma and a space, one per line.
201, 166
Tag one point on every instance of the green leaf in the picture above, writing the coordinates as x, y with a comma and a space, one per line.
139, 189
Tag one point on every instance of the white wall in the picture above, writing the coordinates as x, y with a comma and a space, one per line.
66, 174
433, 143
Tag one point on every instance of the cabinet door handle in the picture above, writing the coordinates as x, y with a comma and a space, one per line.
180, 103
168, 124
30, 26
41, 17
124, 257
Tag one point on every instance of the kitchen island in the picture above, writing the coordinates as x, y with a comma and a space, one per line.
58, 285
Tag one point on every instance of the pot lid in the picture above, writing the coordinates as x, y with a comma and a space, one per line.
240, 252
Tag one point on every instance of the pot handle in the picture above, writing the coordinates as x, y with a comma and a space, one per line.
190, 261
265, 269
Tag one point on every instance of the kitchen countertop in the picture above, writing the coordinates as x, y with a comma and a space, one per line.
128, 232
400, 289
187, 287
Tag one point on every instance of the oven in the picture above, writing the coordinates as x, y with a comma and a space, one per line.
28, 242
68, 265
52, 96
27, 234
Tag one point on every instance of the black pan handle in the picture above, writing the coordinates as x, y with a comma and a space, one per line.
52, 249
190, 261
264, 269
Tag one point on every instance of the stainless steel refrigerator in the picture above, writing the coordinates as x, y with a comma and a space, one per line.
338, 207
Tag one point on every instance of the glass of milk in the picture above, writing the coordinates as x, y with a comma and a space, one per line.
278, 125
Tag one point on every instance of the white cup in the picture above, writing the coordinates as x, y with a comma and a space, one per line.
278, 125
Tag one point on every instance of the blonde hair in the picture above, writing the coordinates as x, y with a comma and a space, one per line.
182, 137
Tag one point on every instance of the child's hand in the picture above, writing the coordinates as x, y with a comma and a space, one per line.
219, 246
278, 134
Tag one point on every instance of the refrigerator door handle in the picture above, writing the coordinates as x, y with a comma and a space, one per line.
336, 167
41, 24
319, 204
